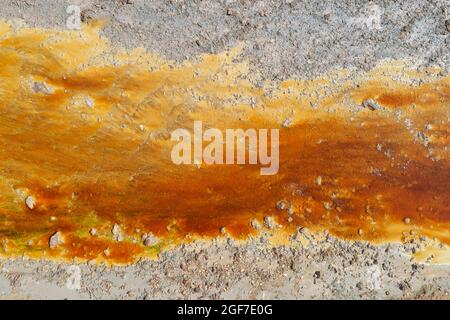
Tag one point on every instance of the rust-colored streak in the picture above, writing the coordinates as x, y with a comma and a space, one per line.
85, 131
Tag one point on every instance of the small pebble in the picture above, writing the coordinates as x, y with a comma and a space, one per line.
287, 123
89, 102
268, 221
327, 205
379, 146
282, 205
255, 224
116, 229
55, 240
30, 201
150, 240
319, 180
5, 246
370, 104
42, 88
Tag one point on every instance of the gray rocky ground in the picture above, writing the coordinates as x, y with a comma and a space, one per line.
283, 39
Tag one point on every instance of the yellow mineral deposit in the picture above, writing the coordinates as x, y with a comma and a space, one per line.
85, 146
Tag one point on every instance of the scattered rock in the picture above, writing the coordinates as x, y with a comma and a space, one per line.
379, 147
87, 15
269, 222
423, 138
287, 123
255, 224
150, 240
30, 201
327, 205
371, 104
40, 87
282, 205
319, 180
296, 265
55, 240
93, 232
117, 232
404, 285
407, 220
89, 102
5, 245
116, 229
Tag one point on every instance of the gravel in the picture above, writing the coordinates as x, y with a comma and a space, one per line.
283, 40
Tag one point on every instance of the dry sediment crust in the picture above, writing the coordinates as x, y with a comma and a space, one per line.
284, 39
